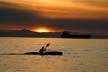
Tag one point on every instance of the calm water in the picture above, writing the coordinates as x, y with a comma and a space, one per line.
79, 55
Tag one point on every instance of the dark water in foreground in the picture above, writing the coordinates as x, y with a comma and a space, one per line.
79, 55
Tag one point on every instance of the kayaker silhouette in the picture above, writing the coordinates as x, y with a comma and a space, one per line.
43, 49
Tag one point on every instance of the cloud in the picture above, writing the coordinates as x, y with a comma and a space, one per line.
79, 24
6, 4
16, 16
12, 15
66, 8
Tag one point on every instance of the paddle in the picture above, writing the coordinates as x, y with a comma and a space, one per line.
48, 44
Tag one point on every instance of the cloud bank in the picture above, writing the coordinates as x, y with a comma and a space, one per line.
62, 17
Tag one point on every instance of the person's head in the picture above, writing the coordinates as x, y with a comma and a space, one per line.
43, 47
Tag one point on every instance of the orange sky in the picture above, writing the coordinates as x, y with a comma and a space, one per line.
65, 8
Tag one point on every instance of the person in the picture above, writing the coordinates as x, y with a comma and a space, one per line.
41, 51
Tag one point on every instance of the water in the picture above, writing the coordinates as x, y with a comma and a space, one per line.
79, 55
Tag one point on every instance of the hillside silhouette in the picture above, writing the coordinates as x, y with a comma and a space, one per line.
27, 33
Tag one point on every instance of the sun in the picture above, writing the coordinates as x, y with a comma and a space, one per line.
41, 30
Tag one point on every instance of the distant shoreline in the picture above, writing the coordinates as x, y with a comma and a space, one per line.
65, 35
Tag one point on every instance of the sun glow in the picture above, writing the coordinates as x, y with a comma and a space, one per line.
41, 30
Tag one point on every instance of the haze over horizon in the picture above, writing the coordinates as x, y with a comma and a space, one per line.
84, 16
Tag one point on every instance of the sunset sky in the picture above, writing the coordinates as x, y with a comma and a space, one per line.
86, 16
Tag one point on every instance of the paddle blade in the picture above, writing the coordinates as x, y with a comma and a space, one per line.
48, 45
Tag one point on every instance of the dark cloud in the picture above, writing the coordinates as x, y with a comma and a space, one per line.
9, 15
79, 24
17, 16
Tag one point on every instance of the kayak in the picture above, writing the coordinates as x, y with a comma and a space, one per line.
45, 53
35, 53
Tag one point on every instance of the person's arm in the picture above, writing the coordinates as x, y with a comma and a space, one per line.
44, 49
